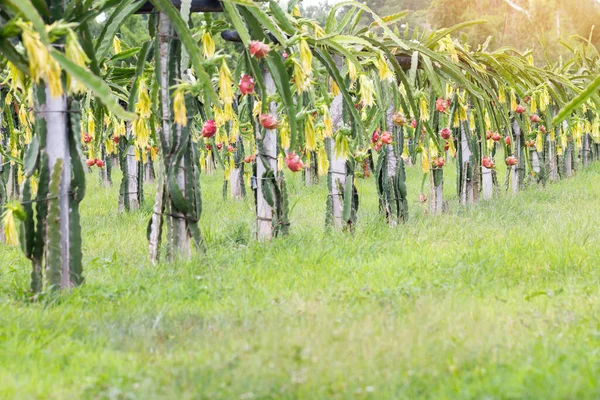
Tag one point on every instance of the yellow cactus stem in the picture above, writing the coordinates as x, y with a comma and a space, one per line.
116, 45
142, 107
41, 65
472, 121
433, 152
91, 124
501, 94
563, 141
296, 12
544, 100
530, 60
367, 91
208, 44
551, 133
319, 32
228, 167
385, 73
221, 137
138, 155
179, 108
424, 162
153, 153
75, 53
280, 162
335, 89
15, 77
463, 112
118, 127
284, 134
219, 116
533, 105
306, 57
20, 177
327, 122
34, 185
402, 89
203, 162
8, 99
539, 143
141, 132
225, 84
452, 148
513, 99
234, 131
256, 111
423, 109
596, 129
456, 120
144, 154
300, 78
449, 46
309, 134
449, 90
352, 71
108, 145
487, 121
341, 146
322, 161
12, 211
405, 153
228, 112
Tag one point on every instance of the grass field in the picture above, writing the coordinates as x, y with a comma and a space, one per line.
501, 301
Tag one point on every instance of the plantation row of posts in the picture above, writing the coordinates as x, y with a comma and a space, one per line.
342, 101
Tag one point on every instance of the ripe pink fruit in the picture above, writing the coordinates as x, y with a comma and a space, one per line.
209, 129
446, 146
375, 136
520, 109
250, 159
208, 147
90, 162
87, 138
246, 84
445, 133
414, 124
230, 148
496, 137
293, 162
259, 49
534, 118
100, 163
487, 162
386, 138
439, 162
507, 140
268, 121
511, 160
441, 105
116, 139
543, 129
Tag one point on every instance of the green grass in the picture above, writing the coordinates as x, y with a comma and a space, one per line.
499, 301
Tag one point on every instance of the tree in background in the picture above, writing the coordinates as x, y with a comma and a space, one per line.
522, 24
